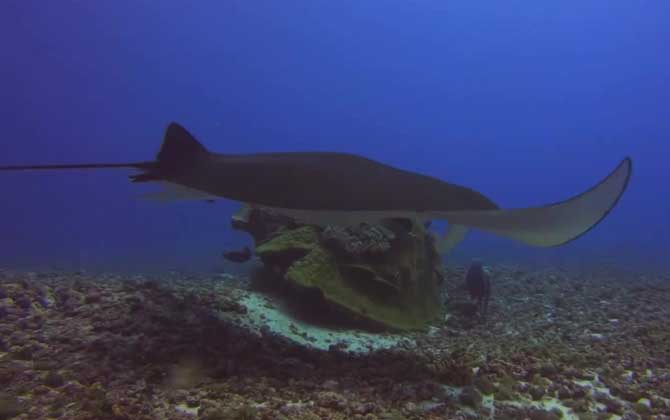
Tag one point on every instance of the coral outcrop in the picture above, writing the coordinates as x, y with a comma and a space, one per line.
387, 275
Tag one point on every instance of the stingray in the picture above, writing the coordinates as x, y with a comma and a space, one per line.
329, 188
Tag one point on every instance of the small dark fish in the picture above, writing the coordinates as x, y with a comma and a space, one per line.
478, 283
238, 256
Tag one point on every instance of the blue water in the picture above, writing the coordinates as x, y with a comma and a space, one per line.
527, 102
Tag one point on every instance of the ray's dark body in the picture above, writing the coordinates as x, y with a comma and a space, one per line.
308, 181
299, 180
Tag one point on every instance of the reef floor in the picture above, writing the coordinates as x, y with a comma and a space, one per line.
555, 345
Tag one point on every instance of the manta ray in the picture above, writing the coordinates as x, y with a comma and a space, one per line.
330, 188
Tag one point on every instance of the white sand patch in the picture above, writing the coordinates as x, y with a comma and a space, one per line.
545, 403
553, 403
183, 408
488, 401
596, 385
263, 312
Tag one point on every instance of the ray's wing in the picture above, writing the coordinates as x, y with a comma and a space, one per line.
544, 226
176, 192
553, 224
454, 235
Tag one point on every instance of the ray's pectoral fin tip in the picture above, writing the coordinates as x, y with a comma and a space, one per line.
454, 235
553, 224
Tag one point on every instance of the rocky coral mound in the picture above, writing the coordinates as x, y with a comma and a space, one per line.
386, 275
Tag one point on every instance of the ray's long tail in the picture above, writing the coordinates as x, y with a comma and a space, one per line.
135, 165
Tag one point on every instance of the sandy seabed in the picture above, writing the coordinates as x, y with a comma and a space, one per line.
555, 344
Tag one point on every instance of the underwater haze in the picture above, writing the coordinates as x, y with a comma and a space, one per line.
527, 102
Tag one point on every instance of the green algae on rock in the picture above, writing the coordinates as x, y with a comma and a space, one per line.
301, 239
392, 283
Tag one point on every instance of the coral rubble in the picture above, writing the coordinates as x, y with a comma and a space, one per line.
555, 345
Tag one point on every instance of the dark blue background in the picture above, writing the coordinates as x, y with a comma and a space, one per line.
529, 102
